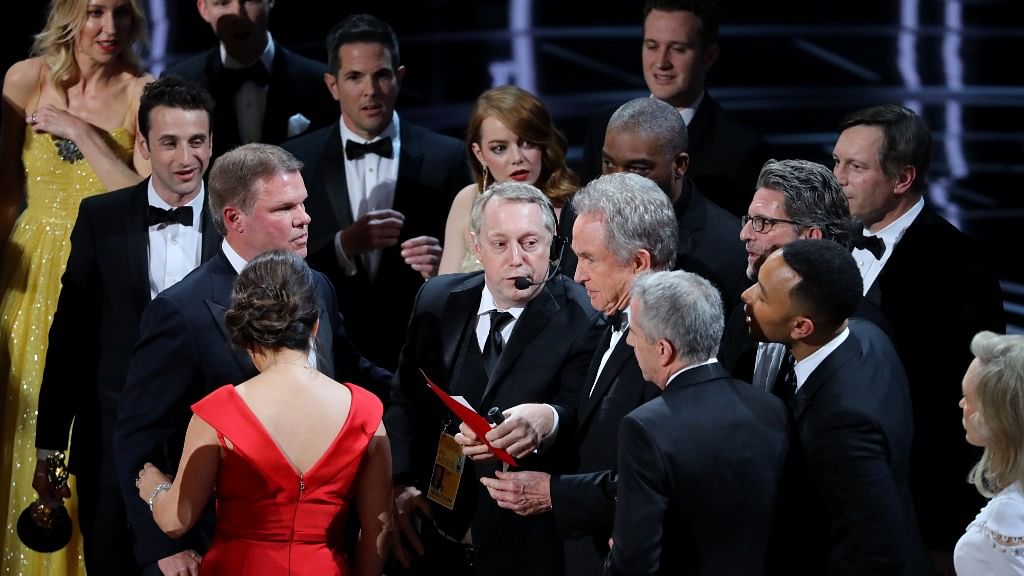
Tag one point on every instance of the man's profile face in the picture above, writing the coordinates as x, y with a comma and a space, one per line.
278, 219
241, 25
599, 271
857, 166
626, 151
178, 147
767, 303
513, 243
771, 204
675, 61
365, 86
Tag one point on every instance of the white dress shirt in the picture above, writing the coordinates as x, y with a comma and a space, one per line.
371, 186
805, 367
870, 267
251, 98
174, 249
612, 343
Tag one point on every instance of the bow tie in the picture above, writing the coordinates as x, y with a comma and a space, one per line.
354, 150
872, 244
255, 72
618, 321
159, 216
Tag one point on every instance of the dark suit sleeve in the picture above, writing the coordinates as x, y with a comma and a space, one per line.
642, 503
849, 459
154, 402
349, 364
584, 503
66, 383
574, 376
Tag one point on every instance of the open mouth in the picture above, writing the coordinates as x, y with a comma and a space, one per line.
520, 175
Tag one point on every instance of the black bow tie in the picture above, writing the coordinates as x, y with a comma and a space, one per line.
256, 72
182, 215
354, 150
872, 244
618, 321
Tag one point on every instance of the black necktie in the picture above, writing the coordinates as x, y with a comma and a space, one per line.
256, 73
354, 150
494, 344
872, 244
785, 382
618, 321
181, 215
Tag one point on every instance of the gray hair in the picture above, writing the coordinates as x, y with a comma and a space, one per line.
813, 196
235, 177
512, 192
680, 307
1000, 416
637, 215
653, 120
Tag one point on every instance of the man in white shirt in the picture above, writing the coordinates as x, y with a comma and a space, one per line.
881, 160
126, 247
380, 189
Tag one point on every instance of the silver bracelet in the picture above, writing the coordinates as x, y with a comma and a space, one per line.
159, 488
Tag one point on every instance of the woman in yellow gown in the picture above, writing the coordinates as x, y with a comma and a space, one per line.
511, 137
69, 124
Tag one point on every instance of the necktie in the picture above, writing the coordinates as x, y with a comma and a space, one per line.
354, 150
872, 244
785, 383
494, 344
158, 216
256, 73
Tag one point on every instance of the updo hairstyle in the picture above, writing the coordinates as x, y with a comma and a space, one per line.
273, 303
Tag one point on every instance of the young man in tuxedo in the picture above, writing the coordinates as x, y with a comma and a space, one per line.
183, 352
517, 337
380, 187
264, 92
127, 246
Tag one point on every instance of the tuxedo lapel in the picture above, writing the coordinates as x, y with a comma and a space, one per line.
225, 128
275, 121
136, 236
221, 277
210, 237
619, 356
839, 358
535, 317
461, 304
410, 165
332, 173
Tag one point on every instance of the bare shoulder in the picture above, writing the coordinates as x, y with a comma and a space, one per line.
465, 198
21, 82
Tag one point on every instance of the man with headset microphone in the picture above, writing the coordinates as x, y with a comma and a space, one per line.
519, 337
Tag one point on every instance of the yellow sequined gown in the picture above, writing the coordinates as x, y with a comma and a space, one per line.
30, 279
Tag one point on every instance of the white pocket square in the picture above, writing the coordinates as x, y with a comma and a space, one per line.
297, 124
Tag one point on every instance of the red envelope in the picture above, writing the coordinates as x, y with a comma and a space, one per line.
477, 423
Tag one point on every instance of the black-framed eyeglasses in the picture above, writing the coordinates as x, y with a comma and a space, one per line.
762, 224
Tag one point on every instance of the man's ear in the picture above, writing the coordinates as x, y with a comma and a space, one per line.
904, 180
233, 219
331, 81
680, 164
143, 145
812, 233
802, 328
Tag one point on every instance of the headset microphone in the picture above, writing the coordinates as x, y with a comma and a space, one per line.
558, 247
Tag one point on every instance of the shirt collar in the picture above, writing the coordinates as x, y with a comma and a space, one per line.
487, 304
805, 367
691, 111
690, 367
892, 233
267, 58
236, 261
390, 132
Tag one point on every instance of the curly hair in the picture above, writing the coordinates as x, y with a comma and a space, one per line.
525, 115
273, 303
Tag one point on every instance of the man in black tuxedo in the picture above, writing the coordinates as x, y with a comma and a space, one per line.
847, 507
126, 247
381, 189
515, 338
680, 46
264, 92
183, 352
648, 137
881, 159
625, 227
700, 466
795, 199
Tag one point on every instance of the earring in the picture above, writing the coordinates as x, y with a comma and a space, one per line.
484, 186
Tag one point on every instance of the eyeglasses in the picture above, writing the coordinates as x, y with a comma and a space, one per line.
762, 224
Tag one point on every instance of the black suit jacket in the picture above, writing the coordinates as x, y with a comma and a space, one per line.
699, 474
183, 354
583, 503
431, 169
296, 87
938, 290
545, 360
725, 155
848, 508
105, 288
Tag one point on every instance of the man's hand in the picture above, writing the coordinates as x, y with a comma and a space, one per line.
409, 502
525, 493
374, 230
524, 427
41, 482
184, 563
422, 254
